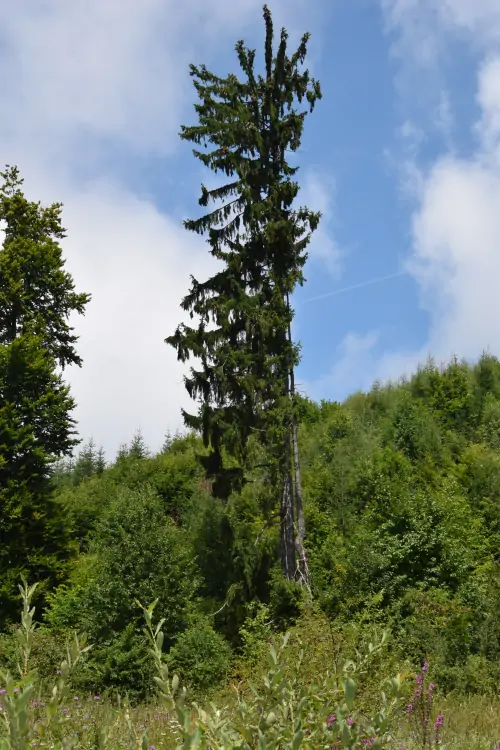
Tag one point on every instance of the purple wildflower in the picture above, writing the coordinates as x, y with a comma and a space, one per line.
439, 722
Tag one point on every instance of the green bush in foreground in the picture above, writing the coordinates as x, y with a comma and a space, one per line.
279, 713
200, 656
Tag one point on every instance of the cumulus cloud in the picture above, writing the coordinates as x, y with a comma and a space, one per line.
107, 68
135, 261
420, 26
420, 33
456, 233
455, 226
83, 80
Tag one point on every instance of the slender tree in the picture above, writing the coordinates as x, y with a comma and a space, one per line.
85, 465
244, 382
36, 428
138, 447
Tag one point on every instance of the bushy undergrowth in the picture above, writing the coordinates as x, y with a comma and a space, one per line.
280, 711
288, 707
401, 498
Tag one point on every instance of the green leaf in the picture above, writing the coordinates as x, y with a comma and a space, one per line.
349, 691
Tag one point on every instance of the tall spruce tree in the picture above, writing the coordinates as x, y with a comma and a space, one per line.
242, 340
36, 298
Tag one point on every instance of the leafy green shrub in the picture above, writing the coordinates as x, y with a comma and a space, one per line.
254, 634
200, 656
136, 553
436, 626
286, 600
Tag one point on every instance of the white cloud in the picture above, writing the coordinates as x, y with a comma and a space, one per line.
455, 259
79, 78
354, 364
318, 194
135, 262
420, 26
456, 225
424, 35
111, 68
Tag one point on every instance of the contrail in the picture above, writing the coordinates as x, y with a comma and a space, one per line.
356, 286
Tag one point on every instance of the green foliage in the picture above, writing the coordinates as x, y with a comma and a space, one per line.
489, 429
136, 553
90, 461
19, 694
286, 600
255, 633
34, 426
416, 432
245, 383
36, 299
282, 710
403, 531
138, 448
139, 554
36, 293
200, 656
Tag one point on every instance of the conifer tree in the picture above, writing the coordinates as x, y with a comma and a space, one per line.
86, 464
100, 461
138, 447
245, 386
36, 299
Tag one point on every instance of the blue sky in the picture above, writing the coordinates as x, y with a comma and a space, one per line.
402, 156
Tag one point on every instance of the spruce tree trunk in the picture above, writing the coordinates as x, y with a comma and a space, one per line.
287, 528
288, 549
302, 566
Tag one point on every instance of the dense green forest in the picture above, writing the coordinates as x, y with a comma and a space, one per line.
270, 512
401, 490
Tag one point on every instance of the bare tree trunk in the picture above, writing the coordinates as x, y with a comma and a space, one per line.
287, 529
302, 566
287, 509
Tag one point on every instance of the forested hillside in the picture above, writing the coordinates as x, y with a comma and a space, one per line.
401, 489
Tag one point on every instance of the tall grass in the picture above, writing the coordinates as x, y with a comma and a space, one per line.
285, 708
